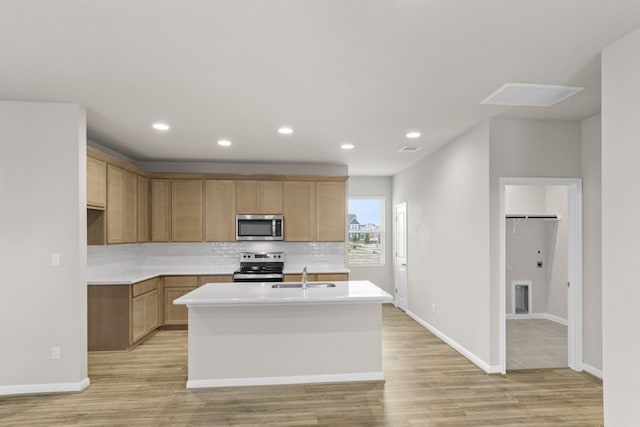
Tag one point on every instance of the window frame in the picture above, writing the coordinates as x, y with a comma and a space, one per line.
381, 231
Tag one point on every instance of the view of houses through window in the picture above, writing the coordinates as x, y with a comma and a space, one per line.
365, 228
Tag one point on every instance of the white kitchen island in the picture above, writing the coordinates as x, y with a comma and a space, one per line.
253, 334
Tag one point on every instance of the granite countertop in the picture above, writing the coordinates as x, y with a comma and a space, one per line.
246, 294
134, 276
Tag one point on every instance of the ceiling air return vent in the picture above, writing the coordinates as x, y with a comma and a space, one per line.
410, 148
530, 95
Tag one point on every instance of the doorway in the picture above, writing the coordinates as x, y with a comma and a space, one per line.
400, 260
565, 297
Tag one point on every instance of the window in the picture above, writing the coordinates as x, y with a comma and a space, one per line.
365, 228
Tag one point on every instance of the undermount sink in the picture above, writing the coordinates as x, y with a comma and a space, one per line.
299, 285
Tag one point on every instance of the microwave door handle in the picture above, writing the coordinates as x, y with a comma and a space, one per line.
273, 227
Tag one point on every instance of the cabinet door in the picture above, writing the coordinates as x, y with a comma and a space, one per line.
175, 287
271, 197
151, 319
121, 205
160, 210
299, 211
143, 209
330, 212
248, 197
220, 218
96, 183
186, 210
214, 279
138, 329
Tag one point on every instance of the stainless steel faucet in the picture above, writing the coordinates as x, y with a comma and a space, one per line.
304, 277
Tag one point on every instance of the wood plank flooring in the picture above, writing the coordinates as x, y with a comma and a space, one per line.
535, 344
427, 384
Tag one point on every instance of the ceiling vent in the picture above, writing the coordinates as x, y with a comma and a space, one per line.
410, 148
530, 95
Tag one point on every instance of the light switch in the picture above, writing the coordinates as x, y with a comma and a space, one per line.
55, 259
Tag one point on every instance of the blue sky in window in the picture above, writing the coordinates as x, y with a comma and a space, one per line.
367, 210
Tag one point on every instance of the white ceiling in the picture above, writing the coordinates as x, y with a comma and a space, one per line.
337, 71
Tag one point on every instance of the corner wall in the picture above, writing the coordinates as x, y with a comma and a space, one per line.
525, 148
42, 211
620, 230
447, 197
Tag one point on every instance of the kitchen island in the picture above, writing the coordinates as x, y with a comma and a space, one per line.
254, 334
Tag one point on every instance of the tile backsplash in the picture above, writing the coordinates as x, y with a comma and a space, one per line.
217, 257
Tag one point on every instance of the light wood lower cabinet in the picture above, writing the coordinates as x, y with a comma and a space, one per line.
144, 314
175, 287
318, 277
120, 316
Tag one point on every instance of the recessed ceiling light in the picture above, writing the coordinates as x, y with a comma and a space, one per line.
347, 146
285, 130
160, 126
413, 134
410, 148
224, 142
530, 95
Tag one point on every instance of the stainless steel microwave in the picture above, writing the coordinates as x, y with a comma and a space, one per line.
259, 227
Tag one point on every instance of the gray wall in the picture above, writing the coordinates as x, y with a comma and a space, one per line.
620, 230
376, 186
42, 211
525, 148
447, 195
557, 251
592, 240
250, 168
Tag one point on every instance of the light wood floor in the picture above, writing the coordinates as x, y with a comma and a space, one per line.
535, 344
427, 384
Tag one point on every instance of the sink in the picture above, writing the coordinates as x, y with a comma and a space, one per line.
299, 285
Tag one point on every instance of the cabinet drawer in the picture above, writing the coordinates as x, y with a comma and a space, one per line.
145, 286
333, 277
180, 281
214, 279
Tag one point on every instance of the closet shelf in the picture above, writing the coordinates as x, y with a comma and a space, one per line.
544, 217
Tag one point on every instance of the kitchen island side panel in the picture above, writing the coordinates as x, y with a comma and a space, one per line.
276, 344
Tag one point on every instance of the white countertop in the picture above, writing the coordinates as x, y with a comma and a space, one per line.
244, 294
135, 276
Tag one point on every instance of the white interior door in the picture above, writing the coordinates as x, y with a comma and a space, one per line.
401, 256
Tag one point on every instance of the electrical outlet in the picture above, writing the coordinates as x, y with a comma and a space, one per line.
433, 308
55, 259
55, 353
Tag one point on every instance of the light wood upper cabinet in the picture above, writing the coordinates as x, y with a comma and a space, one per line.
271, 197
96, 183
330, 212
121, 205
143, 209
220, 225
186, 210
299, 211
160, 210
259, 197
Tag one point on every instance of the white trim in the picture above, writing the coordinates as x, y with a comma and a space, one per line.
298, 379
489, 369
10, 390
545, 316
591, 370
574, 238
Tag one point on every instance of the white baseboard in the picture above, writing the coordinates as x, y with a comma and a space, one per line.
545, 316
489, 369
591, 370
298, 379
9, 390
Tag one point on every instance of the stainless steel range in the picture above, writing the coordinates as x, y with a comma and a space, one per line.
260, 267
